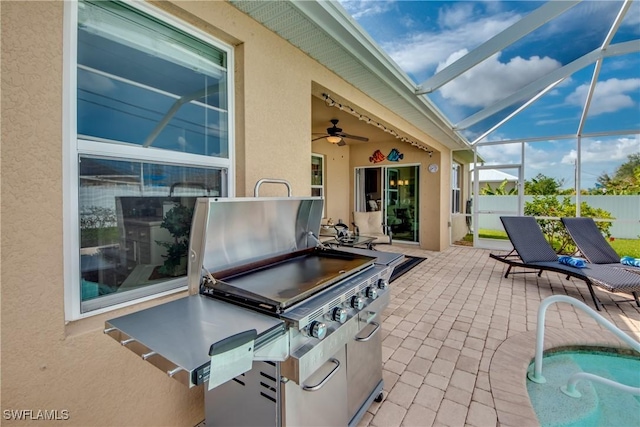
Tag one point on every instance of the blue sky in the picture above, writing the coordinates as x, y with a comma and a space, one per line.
423, 37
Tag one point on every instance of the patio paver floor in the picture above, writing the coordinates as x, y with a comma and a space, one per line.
452, 315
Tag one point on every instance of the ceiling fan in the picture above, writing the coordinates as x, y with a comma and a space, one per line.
336, 136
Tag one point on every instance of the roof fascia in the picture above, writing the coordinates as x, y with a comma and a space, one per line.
515, 32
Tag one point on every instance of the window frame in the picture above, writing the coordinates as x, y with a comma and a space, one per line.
73, 147
323, 177
456, 188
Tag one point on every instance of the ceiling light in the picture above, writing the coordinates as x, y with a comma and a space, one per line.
334, 139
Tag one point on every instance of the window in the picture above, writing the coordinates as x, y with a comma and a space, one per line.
149, 130
456, 194
317, 176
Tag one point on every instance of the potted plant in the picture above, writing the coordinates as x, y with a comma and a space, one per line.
178, 222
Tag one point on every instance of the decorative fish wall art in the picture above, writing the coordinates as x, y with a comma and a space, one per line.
376, 157
393, 156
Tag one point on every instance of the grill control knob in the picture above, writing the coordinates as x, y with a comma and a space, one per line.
339, 314
383, 284
357, 302
317, 329
372, 292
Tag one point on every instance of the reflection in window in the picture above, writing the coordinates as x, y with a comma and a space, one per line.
144, 83
135, 220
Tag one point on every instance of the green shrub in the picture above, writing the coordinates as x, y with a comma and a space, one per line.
553, 230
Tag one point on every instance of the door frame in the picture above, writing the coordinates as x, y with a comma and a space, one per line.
383, 180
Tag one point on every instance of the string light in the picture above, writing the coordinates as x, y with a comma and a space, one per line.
332, 103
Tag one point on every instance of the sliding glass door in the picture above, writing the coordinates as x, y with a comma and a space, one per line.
394, 190
402, 202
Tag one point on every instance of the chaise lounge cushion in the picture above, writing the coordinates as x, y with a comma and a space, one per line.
592, 244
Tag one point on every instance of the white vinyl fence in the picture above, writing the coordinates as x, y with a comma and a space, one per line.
625, 209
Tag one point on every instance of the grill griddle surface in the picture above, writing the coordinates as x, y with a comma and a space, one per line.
292, 280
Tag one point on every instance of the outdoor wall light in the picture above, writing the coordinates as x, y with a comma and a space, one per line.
392, 183
334, 139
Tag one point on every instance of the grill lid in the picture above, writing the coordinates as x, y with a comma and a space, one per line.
234, 232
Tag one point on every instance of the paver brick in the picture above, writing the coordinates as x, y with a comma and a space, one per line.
451, 414
402, 394
419, 416
429, 397
389, 415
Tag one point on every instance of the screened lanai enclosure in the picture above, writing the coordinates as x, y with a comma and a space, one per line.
547, 94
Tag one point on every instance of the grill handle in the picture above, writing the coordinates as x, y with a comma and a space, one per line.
256, 189
368, 337
326, 379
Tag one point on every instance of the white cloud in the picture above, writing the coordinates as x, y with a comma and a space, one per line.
632, 18
455, 15
553, 121
545, 158
361, 8
610, 95
501, 154
493, 80
605, 151
421, 52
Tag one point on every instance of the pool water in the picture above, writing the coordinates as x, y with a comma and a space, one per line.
599, 405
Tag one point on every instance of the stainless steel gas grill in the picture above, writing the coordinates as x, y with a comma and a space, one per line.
306, 317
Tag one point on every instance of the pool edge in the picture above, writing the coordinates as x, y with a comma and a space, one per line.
507, 370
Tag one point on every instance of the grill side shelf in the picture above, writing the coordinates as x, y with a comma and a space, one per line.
177, 336
179, 373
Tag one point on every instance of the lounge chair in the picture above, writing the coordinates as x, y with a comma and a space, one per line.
532, 251
592, 244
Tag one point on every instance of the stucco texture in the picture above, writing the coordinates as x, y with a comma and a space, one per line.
51, 364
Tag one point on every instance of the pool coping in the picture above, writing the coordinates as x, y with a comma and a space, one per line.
507, 371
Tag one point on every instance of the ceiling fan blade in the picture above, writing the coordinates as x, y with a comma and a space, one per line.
320, 137
342, 143
357, 138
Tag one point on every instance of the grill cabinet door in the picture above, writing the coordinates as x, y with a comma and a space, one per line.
323, 407
364, 359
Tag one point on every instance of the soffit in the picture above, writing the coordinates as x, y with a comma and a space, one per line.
325, 33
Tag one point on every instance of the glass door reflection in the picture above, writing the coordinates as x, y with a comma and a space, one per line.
402, 202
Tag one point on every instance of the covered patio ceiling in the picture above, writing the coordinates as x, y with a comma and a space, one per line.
593, 43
